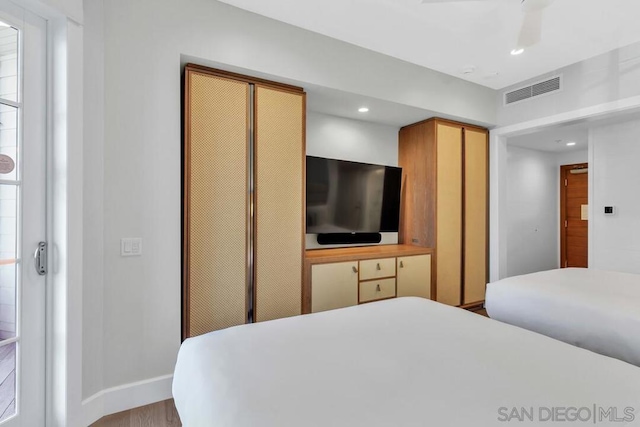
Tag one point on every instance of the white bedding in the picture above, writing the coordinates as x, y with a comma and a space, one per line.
400, 362
592, 309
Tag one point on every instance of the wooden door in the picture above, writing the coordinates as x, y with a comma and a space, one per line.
476, 172
279, 208
414, 276
449, 213
574, 201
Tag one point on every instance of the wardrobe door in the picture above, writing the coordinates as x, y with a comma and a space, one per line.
215, 203
449, 214
279, 159
475, 217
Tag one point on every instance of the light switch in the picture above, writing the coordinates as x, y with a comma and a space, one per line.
131, 246
584, 212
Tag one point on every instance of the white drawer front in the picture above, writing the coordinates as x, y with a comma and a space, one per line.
377, 289
377, 268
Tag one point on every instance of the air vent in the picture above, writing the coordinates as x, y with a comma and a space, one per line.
537, 89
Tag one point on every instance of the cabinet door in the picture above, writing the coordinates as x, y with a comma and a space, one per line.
475, 218
279, 209
216, 152
449, 214
414, 276
334, 286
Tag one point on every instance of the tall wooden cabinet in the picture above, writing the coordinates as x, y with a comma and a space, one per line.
445, 204
243, 200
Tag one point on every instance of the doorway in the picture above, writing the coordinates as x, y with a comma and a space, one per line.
23, 122
574, 215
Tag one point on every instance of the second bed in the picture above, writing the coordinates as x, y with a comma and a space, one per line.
593, 309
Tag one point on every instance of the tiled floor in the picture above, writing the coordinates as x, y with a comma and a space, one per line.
7, 381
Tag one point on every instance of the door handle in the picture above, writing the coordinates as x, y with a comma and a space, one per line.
40, 258
355, 270
401, 264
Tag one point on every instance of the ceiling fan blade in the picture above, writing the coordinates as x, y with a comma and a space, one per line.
531, 30
446, 1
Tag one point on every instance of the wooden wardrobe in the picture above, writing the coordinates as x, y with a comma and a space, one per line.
243, 200
445, 204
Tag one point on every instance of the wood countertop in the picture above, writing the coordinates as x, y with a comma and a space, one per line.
321, 256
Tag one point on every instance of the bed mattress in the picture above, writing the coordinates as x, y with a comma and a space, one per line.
593, 309
400, 362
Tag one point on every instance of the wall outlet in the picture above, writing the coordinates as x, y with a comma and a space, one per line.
131, 246
609, 210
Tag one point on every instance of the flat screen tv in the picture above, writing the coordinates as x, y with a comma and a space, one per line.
350, 197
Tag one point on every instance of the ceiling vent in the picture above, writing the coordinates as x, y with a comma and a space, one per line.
548, 86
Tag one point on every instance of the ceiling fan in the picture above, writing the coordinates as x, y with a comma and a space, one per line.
531, 30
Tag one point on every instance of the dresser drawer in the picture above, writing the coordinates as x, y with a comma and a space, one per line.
377, 268
377, 289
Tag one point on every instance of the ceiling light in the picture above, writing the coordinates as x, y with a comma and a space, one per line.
517, 51
570, 144
363, 109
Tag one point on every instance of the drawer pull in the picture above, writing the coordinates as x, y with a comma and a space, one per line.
401, 264
378, 266
378, 288
355, 270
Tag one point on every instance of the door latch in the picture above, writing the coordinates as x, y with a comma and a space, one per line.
40, 258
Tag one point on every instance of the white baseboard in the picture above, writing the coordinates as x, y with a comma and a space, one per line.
127, 396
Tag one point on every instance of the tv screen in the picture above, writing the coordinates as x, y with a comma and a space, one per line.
347, 197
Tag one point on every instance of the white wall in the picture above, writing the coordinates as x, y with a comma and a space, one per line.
73, 9
93, 210
615, 176
354, 140
142, 142
605, 78
533, 208
572, 158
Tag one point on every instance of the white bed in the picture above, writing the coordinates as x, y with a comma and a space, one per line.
400, 362
593, 309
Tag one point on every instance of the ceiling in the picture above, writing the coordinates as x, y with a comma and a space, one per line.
555, 138
449, 37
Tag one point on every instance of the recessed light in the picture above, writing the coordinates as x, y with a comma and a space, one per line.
363, 109
570, 144
517, 51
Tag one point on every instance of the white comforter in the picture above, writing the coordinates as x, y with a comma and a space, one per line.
592, 309
401, 362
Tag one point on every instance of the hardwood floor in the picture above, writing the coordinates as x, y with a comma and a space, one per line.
482, 312
161, 414
7, 381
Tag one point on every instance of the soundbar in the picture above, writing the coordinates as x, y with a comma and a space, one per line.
348, 238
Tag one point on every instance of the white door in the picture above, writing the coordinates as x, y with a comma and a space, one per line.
23, 127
